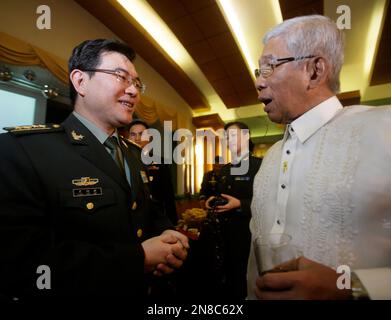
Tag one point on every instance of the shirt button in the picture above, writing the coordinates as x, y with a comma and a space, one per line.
278, 222
90, 206
288, 152
283, 186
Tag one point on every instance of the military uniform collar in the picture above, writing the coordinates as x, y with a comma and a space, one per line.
77, 132
80, 136
95, 130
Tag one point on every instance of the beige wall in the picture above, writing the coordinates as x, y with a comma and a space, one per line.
71, 24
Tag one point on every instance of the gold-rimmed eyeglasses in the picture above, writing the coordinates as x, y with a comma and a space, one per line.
123, 77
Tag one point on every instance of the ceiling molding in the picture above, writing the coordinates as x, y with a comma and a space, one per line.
126, 28
203, 31
209, 121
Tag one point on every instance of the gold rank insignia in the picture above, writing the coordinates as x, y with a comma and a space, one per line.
85, 181
76, 136
134, 205
144, 176
33, 128
213, 181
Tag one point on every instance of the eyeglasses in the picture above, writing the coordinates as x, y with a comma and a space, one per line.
267, 69
123, 77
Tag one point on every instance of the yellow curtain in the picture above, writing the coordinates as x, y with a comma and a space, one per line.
17, 52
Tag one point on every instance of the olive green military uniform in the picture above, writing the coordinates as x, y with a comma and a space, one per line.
64, 203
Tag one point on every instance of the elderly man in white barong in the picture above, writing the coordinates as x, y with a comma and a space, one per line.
327, 183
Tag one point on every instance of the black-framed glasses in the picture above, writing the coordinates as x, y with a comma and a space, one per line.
267, 69
122, 77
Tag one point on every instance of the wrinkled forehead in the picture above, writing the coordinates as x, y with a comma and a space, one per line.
267, 59
275, 48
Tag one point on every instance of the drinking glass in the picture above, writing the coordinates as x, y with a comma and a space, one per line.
275, 253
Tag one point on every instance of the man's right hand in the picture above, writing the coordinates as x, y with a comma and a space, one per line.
163, 254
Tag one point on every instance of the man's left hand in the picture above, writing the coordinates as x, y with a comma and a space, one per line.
311, 280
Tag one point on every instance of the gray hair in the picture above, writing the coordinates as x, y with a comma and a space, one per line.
314, 34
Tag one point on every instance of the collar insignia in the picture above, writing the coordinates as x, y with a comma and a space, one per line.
76, 136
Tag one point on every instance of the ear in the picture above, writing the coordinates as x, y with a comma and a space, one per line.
318, 69
78, 79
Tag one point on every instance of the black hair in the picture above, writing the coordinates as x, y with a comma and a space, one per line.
241, 126
137, 121
87, 55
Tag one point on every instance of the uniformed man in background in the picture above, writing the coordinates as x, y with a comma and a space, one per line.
74, 197
230, 233
209, 186
162, 190
160, 182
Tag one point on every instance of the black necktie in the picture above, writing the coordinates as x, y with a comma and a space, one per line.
112, 144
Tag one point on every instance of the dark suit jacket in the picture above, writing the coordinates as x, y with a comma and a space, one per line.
209, 184
161, 188
225, 245
89, 236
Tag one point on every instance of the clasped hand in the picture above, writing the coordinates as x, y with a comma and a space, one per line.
233, 203
165, 253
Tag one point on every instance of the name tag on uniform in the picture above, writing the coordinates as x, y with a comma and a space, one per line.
239, 178
87, 192
144, 176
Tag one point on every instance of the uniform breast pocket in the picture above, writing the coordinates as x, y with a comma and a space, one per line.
87, 199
